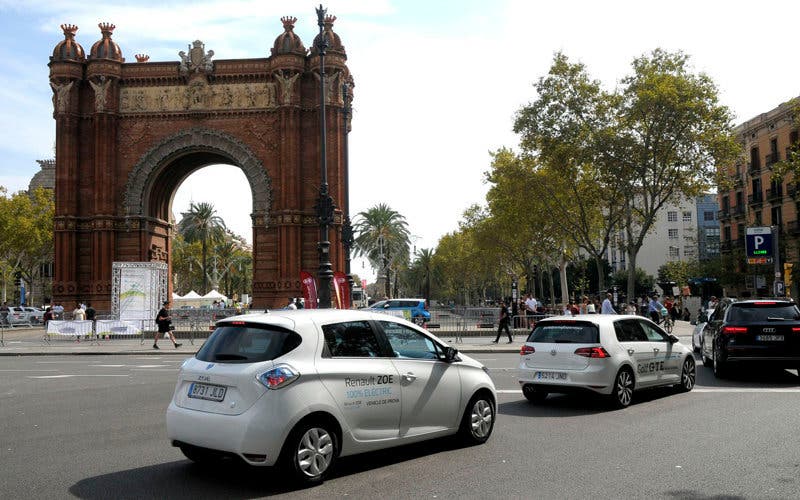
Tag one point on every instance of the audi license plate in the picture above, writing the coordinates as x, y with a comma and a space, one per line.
207, 391
770, 338
551, 376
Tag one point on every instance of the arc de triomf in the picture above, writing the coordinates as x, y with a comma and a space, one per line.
128, 134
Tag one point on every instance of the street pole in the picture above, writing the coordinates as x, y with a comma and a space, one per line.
324, 202
347, 228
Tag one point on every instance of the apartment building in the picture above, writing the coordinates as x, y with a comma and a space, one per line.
757, 197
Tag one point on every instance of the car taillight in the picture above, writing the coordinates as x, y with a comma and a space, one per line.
526, 349
795, 329
734, 329
278, 377
592, 352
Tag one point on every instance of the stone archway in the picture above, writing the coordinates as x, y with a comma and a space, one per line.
127, 135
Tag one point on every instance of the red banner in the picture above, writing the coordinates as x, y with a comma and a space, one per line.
309, 290
342, 290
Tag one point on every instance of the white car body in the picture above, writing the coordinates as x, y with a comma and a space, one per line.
697, 333
592, 352
370, 402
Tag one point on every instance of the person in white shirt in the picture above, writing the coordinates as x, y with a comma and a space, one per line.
291, 305
606, 307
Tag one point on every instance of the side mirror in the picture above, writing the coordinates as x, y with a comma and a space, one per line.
450, 354
693, 322
672, 339
386, 306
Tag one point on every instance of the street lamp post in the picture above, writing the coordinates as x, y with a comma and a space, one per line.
347, 228
324, 202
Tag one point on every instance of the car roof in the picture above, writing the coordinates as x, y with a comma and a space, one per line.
761, 301
298, 318
598, 319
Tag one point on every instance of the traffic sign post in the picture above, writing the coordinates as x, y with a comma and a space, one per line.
780, 290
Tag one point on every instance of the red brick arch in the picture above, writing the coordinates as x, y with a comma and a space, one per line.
128, 134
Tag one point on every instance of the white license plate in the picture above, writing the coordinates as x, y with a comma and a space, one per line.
770, 338
207, 391
551, 376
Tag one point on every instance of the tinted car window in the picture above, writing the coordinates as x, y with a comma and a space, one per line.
628, 330
652, 333
759, 313
247, 344
408, 343
351, 339
573, 332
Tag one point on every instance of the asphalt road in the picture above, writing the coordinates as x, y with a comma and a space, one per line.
93, 427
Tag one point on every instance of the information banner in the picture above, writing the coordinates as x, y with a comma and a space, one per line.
309, 290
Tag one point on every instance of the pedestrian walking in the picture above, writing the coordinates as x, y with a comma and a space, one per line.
503, 323
164, 322
654, 309
606, 307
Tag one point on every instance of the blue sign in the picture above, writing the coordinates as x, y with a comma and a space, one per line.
758, 242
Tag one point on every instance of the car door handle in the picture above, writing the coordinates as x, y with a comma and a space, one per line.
409, 377
655, 349
631, 351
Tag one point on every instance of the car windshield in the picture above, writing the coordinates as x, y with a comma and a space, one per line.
565, 332
247, 344
759, 312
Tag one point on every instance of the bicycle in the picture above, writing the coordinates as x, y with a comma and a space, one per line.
668, 324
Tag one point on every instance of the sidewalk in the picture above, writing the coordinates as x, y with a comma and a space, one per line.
28, 341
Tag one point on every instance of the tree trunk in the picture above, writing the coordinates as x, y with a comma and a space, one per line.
601, 272
562, 276
552, 288
631, 273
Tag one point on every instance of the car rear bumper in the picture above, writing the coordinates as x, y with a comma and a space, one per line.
594, 378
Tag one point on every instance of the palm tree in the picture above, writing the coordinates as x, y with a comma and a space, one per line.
382, 237
424, 264
202, 224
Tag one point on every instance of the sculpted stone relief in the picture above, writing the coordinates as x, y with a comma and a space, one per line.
198, 96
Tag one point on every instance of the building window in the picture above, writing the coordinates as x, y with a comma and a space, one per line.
672, 216
755, 159
687, 216
673, 234
674, 252
758, 218
689, 251
712, 232
727, 233
708, 216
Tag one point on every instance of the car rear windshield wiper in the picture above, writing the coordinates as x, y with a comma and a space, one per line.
229, 357
770, 318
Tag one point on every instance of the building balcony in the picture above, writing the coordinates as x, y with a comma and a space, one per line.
772, 159
753, 169
755, 198
775, 194
723, 214
738, 211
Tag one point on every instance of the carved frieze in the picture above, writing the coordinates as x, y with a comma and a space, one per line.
197, 96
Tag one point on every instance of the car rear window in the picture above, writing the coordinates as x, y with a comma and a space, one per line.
759, 312
247, 344
565, 332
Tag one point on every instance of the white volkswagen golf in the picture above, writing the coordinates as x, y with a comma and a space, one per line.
602, 353
300, 388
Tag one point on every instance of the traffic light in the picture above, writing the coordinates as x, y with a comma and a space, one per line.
787, 276
17, 279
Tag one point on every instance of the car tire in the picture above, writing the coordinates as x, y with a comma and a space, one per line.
688, 375
478, 420
720, 368
622, 392
309, 452
534, 395
419, 320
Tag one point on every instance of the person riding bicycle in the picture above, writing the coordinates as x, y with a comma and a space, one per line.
654, 308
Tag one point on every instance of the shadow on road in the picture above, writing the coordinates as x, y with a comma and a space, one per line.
230, 479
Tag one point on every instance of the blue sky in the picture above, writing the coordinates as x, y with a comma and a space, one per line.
437, 82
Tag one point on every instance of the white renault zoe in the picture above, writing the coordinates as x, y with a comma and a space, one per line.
299, 388
602, 353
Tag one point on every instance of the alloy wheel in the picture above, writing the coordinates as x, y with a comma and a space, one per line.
481, 418
688, 375
315, 452
623, 388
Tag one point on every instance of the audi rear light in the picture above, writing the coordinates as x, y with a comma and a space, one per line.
526, 349
795, 329
734, 330
765, 303
592, 352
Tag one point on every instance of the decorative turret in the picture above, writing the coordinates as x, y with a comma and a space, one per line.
335, 46
288, 42
142, 58
68, 49
106, 48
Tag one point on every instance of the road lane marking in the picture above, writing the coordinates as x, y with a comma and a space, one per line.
70, 376
706, 390
35, 370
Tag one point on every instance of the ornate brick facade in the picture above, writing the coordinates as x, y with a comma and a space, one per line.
127, 135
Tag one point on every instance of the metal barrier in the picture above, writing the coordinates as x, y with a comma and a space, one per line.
475, 322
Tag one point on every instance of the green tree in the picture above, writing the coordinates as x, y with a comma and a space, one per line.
201, 223
26, 223
565, 128
382, 237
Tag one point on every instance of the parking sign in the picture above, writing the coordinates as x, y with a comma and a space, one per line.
758, 242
